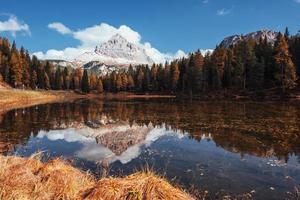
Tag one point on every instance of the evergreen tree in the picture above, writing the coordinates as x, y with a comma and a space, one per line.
16, 69
197, 72
47, 82
33, 80
85, 86
130, 82
146, 82
99, 86
154, 83
174, 76
93, 82
66, 77
140, 79
58, 83
286, 71
118, 83
227, 77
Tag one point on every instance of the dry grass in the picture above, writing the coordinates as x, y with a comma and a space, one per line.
31, 179
13, 98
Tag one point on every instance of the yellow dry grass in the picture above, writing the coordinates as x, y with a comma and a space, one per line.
14, 98
22, 178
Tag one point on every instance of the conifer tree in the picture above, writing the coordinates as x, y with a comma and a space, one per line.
85, 85
197, 70
93, 82
118, 83
130, 82
66, 77
58, 82
286, 71
99, 86
15, 67
140, 79
146, 82
174, 76
154, 77
47, 82
33, 80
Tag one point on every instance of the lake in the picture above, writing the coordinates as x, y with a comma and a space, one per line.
221, 147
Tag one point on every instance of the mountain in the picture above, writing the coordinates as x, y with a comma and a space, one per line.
234, 39
63, 63
100, 68
116, 51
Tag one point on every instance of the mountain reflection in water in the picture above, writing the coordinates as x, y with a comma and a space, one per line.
211, 145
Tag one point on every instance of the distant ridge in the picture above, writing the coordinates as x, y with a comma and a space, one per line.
234, 39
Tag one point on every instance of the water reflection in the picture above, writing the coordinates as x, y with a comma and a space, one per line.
118, 142
212, 145
262, 130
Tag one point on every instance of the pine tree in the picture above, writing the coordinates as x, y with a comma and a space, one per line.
93, 82
174, 76
58, 83
33, 80
197, 77
113, 81
140, 79
286, 71
154, 83
295, 52
66, 77
25, 65
238, 73
47, 82
124, 81
227, 77
146, 82
130, 82
190, 74
85, 86
16, 69
287, 34
99, 86
118, 83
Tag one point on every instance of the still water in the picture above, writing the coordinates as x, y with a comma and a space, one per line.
223, 147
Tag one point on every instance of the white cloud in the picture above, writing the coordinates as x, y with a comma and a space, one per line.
92, 36
297, 1
205, 1
13, 25
223, 12
59, 27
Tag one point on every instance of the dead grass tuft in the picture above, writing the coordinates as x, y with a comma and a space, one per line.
31, 179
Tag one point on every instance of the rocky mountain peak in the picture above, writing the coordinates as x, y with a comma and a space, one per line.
234, 39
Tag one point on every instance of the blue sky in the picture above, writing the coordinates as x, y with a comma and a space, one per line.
168, 25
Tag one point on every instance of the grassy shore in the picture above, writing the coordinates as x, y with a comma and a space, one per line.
13, 98
22, 178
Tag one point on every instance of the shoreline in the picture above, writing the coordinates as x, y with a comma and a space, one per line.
29, 178
13, 98
16, 98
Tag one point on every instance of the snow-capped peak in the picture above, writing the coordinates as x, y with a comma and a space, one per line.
116, 51
234, 39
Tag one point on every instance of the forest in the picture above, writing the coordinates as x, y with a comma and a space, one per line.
246, 66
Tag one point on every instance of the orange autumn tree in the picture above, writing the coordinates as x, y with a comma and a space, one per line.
286, 70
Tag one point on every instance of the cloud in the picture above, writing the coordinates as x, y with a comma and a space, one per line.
92, 36
297, 1
59, 27
205, 1
13, 25
223, 12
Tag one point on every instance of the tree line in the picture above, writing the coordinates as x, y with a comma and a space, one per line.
248, 65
